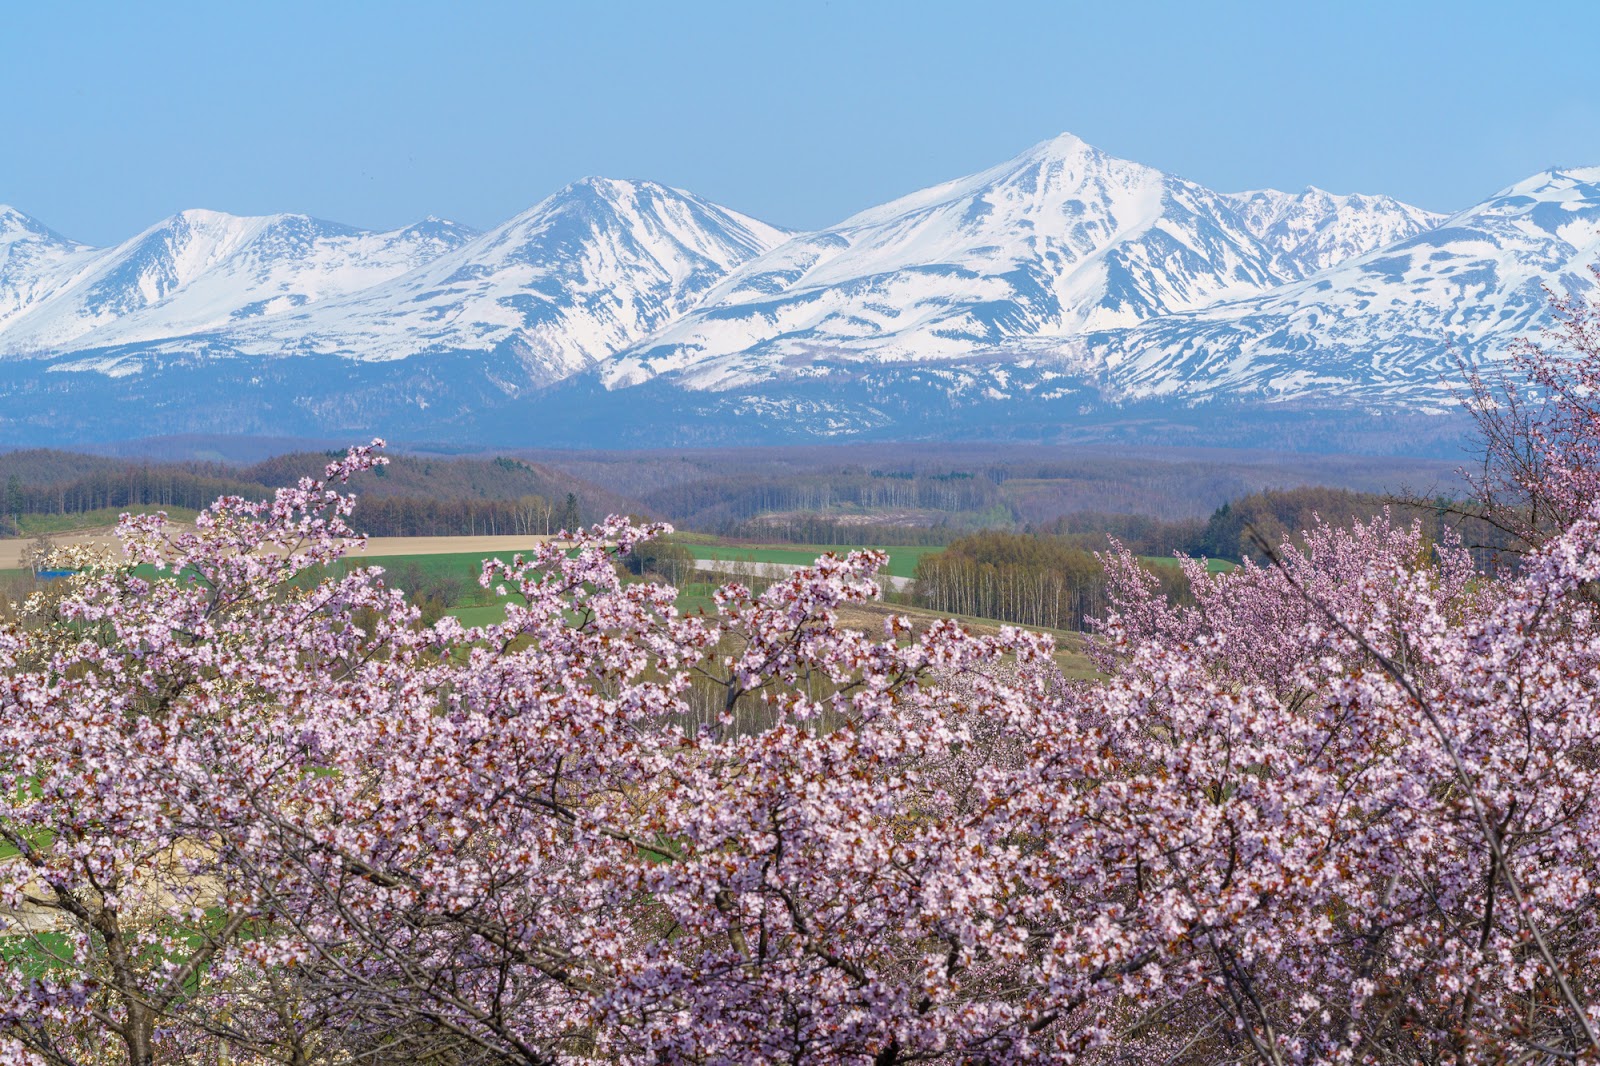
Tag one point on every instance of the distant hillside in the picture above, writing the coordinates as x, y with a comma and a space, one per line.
412, 496
923, 493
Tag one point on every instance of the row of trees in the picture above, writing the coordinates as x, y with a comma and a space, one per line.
410, 516
416, 497
1023, 578
132, 486
722, 504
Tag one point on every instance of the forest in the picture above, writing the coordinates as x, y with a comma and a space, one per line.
412, 496
891, 494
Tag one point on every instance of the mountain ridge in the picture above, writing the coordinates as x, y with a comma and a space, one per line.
1056, 287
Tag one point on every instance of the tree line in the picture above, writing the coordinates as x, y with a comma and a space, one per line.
413, 516
1023, 578
1238, 529
413, 496
1053, 575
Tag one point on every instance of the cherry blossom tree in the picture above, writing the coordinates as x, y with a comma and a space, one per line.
1341, 809
144, 711
1397, 759
1539, 426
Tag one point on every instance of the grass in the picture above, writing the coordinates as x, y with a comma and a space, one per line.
695, 596
479, 614
34, 524
464, 565
482, 607
1213, 566
35, 955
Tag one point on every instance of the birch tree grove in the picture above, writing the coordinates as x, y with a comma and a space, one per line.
1014, 577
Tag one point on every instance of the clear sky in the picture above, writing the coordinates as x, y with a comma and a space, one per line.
380, 114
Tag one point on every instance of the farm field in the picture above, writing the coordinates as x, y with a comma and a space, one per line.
12, 550
1213, 566
694, 596
92, 522
482, 547
902, 560
462, 564
461, 559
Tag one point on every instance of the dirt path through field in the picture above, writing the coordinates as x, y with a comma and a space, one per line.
13, 552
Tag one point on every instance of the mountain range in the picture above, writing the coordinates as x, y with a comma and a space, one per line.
1062, 293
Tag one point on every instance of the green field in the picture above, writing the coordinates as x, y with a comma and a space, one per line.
480, 614
480, 606
1213, 566
33, 525
463, 565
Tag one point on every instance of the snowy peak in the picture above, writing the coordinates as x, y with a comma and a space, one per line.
1557, 183
35, 262
167, 257
17, 227
577, 277
1060, 191
1315, 229
1389, 325
1060, 239
441, 231
1053, 168
617, 219
201, 270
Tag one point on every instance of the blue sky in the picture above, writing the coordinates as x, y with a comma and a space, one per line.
378, 115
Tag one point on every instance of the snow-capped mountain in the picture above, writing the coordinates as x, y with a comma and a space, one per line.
1059, 240
193, 272
1060, 287
578, 277
1315, 229
35, 262
1384, 327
